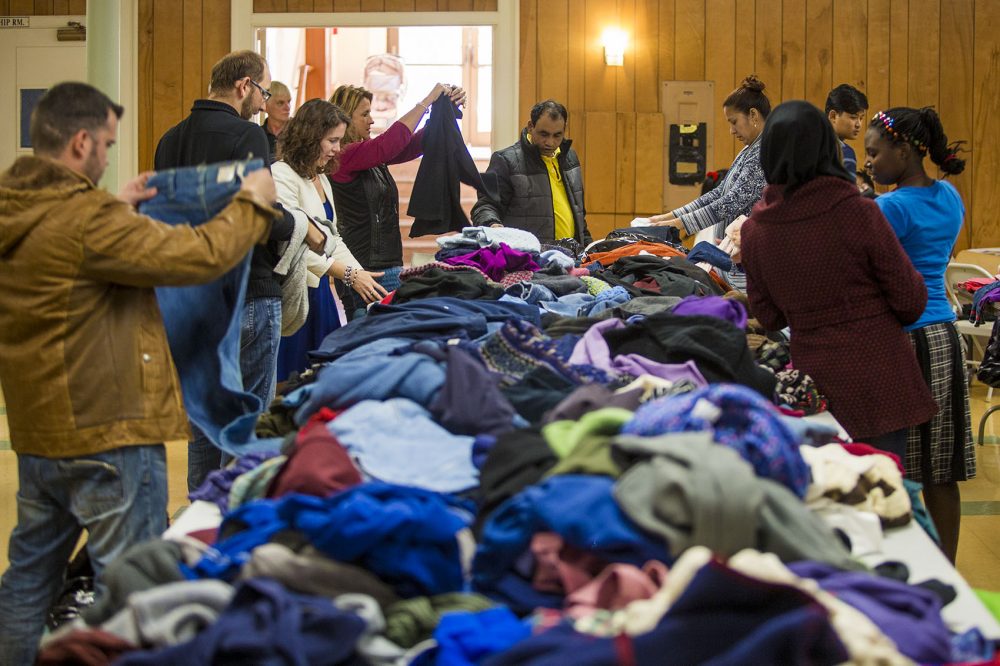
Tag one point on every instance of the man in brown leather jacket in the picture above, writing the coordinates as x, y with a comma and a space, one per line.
85, 368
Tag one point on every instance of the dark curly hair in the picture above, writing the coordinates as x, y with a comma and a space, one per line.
922, 129
299, 142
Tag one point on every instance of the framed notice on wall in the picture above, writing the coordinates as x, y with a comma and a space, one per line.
29, 98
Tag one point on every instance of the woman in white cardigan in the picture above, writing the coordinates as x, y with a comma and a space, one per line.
308, 143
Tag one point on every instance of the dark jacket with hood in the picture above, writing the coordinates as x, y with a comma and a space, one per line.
84, 361
825, 262
525, 192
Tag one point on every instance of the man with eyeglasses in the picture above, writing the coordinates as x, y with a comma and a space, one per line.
218, 130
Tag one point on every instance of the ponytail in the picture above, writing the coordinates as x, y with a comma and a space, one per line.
942, 153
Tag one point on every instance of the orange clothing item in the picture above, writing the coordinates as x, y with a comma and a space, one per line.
659, 249
608, 258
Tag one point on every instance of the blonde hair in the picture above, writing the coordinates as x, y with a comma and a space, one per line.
349, 99
279, 88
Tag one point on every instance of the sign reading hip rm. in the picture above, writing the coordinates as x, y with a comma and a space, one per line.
15, 21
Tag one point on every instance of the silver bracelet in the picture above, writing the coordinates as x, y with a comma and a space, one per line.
349, 276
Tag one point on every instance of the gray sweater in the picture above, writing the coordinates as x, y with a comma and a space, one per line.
734, 196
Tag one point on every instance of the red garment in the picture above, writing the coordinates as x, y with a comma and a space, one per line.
318, 465
393, 146
84, 647
559, 567
859, 449
826, 263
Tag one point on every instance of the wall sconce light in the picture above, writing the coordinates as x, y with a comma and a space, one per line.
615, 41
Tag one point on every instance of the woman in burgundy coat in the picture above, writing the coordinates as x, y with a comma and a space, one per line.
822, 260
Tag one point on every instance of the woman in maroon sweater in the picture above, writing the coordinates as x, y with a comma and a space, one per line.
364, 192
822, 260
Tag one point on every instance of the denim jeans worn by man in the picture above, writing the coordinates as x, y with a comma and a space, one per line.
85, 367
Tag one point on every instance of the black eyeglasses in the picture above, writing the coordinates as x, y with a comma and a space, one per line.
259, 87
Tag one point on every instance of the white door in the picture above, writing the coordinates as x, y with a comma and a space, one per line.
31, 61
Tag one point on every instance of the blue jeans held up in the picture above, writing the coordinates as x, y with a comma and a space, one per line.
222, 349
260, 336
119, 497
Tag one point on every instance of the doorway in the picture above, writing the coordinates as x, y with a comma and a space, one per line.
32, 60
399, 65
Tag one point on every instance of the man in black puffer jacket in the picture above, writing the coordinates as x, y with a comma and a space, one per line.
540, 181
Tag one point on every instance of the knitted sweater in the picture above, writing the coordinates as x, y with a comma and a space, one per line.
734, 196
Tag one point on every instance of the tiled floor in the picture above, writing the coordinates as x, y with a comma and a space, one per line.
978, 551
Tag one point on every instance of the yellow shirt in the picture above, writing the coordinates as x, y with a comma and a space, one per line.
565, 227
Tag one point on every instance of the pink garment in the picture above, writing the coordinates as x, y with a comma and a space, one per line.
616, 587
559, 567
394, 146
975, 283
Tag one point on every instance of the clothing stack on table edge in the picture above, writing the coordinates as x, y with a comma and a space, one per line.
527, 455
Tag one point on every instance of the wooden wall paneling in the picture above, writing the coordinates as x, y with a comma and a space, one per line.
599, 174
528, 78
372, 5
648, 164
460, 5
577, 131
625, 149
5, 8
850, 46
350, 5
42, 8
323, 6
425, 5
484, 5
576, 43
819, 50
899, 51
192, 65
599, 84
767, 47
77, 7
793, 50
299, 6
720, 68
746, 35
215, 38
666, 55
689, 40
144, 113
956, 107
60, 7
168, 93
645, 47
877, 81
601, 224
925, 53
625, 75
986, 91
269, 6
553, 52
22, 7
400, 5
